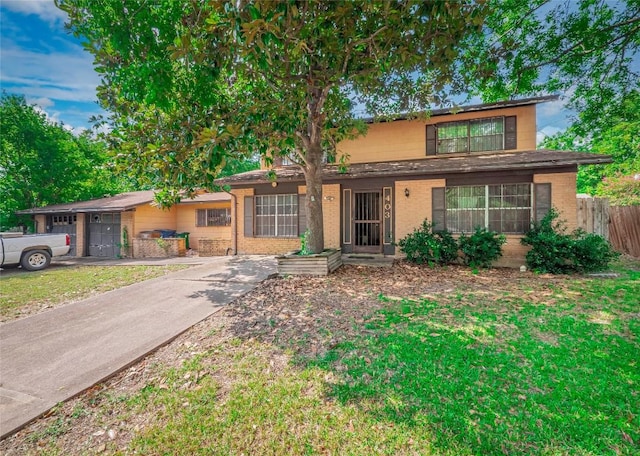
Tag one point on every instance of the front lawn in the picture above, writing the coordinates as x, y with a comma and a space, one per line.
376, 361
23, 294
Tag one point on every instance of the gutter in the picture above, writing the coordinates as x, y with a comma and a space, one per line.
234, 223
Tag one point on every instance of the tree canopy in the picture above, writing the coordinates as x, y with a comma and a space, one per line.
191, 85
587, 50
619, 137
42, 163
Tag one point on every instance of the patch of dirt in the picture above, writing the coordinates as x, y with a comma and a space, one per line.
305, 315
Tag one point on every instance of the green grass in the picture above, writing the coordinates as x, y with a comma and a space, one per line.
55, 286
482, 376
548, 366
541, 379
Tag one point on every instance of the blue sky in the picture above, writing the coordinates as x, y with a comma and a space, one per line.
40, 60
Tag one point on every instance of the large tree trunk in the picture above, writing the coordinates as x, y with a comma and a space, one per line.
313, 177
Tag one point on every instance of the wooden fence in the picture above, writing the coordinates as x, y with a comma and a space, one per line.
619, 224
624, 229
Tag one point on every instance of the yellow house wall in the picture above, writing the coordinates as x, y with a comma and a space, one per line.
41, 223
411, 211
563, 195
406, 139
277, 246
81, 234
186, 222
127, 220
149, 218
331, 215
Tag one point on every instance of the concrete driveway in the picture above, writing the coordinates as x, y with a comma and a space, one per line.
51, 357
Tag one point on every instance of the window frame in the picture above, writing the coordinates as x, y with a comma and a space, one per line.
209, 218
486, 210
468, 139
285, 225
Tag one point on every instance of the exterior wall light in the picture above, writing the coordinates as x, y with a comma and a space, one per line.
406, 192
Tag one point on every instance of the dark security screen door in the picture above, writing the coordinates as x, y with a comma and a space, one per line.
367, 222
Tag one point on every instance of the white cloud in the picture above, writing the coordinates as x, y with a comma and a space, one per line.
551, 108
57, 75
41, 102
546, 131
44, 9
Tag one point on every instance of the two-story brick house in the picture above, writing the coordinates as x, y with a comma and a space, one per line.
478, 166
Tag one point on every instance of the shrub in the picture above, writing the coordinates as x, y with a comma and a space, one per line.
481, 248
425, 246
550, 246
591, 252
555, 251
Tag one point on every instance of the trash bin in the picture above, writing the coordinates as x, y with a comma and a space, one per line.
167, 233
185, 236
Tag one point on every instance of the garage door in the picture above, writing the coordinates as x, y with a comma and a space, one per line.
64, 224
104, 235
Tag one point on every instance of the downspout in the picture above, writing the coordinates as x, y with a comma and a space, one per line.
234, 223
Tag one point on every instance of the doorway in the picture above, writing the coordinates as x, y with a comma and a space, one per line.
367, 222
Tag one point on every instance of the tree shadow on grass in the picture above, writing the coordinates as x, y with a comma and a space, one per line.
531, 393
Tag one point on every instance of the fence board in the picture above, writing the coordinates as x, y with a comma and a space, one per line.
624, 229
593, 215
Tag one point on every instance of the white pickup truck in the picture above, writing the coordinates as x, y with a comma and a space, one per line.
32, 252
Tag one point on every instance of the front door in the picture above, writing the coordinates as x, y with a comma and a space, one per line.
367, 222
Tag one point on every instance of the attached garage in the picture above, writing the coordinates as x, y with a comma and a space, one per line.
104, 234
107, 227
65, 224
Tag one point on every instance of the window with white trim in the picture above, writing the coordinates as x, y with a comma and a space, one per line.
276, 215
505, 208
213, 217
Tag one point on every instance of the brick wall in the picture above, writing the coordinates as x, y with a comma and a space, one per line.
331, 215
411, 211
127, 220
259, 245
153, 248
213, 247
563, 195
81, 235
277, 246
406, 139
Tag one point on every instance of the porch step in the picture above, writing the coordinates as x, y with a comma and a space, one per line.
363, 259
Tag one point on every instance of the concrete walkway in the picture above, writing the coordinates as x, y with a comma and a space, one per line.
51, 357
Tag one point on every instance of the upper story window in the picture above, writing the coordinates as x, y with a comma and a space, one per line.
475, 135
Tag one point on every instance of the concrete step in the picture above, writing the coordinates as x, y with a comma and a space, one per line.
362, 259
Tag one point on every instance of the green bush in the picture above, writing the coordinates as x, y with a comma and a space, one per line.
424, 246
482, 248
555, 251
591, 252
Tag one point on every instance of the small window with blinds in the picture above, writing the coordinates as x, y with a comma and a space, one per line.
213, 217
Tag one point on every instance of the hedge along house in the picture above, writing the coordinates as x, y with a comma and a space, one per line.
476, 167
106, 227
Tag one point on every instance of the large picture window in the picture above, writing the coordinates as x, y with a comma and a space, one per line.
505, 208
276, 215
213, 217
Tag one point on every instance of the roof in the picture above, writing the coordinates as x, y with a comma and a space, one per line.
118, 203
208, 198
476, 107
534, 159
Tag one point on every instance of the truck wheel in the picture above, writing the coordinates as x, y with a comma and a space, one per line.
35, 260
